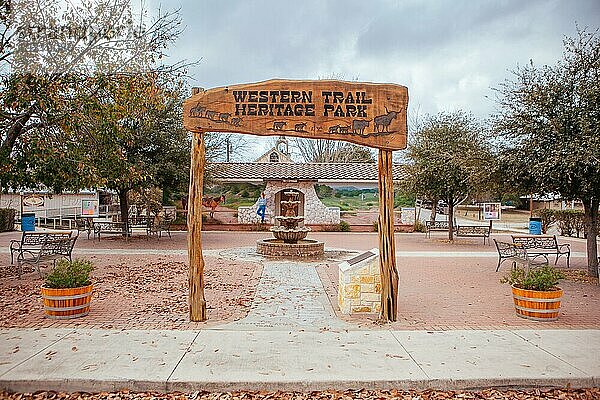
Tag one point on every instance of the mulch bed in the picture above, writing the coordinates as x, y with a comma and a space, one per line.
136, 293
574, 394
579, 275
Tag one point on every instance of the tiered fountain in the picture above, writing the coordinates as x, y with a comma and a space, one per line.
290, 239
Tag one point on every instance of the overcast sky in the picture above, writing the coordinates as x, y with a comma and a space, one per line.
448, 53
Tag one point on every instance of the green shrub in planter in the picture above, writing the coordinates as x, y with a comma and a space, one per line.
69, 274
542, 279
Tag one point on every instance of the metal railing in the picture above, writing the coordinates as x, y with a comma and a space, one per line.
64, 217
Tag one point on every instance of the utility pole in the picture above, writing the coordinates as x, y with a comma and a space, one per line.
228, 150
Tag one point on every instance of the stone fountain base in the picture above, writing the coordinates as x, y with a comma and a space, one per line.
278, 248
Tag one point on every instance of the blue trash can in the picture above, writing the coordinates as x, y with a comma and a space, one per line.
28, 222
535, 226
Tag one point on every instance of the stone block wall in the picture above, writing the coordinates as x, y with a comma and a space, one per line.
315, 212
359, 288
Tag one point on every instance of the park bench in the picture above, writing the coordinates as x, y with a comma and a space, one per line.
84, 225
33, 241
482, 231
50, 250
110, 228
159, 226
543, 245
436, 226
515, 253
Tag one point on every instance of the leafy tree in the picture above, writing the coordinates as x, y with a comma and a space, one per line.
48, 51
133, 137
549, 126
448, 160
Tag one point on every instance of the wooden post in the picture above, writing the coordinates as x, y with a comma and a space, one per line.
194, 221
387, 252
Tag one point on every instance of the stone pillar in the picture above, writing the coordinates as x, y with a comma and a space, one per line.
359, 289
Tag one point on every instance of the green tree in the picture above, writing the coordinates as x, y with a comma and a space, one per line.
549, 126
48, 51
448, 160
133, 137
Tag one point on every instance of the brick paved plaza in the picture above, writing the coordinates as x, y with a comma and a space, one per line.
142, 284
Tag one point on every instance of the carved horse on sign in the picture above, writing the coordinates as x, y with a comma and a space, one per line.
212, 203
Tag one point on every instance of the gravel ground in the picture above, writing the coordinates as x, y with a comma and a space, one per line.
137, 292
579, 394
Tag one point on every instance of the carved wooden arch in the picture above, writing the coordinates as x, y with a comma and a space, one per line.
368, 114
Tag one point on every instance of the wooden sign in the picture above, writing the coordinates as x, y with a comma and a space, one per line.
369, 114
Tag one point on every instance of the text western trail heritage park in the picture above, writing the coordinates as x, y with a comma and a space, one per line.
296, 103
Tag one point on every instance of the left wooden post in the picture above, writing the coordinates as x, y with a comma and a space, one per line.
387, 245
194, 238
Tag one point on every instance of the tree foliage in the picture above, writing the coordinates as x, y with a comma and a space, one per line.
132, 136
50, 52
448, 159
549, 126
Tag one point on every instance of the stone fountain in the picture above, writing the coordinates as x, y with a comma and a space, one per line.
290, 238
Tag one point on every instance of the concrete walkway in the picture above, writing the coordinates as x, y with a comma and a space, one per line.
292, 340
226, 359
289, 296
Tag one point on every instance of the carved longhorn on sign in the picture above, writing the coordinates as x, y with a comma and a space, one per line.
369, 114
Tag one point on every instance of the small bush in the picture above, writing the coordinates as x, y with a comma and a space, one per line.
330, 228
542, 279
420, 227
570, 221
69, 274
7, 219
375, 226
344, 226
258, 227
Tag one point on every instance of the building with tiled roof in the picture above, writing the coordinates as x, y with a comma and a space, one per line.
300, 177
331, 174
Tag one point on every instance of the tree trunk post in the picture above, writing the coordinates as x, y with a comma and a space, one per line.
387, 252
434, 202
451, 218
124, 207
194, 236
590, 207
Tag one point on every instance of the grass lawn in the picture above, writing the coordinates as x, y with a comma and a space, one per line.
517, 216
352, 203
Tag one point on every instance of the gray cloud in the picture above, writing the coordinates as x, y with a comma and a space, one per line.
448, 53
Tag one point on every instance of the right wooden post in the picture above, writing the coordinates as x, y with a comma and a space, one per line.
387, 248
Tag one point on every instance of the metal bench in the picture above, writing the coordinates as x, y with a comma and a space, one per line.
84, 225
474, 231
50, 251
515, 253
159, 226
543, 245
436, 226
111, 228
33, 241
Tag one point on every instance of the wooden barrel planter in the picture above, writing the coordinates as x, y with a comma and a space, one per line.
67, 303
537, 305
